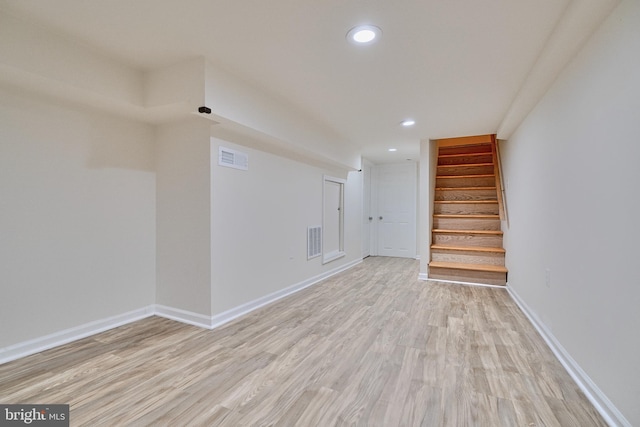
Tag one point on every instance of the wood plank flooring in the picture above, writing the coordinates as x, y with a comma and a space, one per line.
372, 346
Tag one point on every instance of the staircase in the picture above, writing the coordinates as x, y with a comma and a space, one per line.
466, 235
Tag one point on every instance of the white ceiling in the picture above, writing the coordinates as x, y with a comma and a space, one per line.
455, 66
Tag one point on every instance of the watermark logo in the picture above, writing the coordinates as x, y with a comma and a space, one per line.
34, 415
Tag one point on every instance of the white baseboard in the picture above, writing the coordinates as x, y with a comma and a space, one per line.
211, 322
609, 412
229, 315
184, 316
46, 342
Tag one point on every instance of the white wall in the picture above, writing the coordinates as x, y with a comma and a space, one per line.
104, 215
77, 216
33, 56
427, 182
353, 205
184, 216
282, 127
260, 221
572, 173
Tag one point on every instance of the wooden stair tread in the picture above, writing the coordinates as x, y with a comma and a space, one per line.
467, 216
473, 267
453, 202
466, 165
475, 153
465, 189
488, 232
487, 175
468, 248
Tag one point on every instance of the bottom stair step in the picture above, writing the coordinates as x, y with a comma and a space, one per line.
467, 254
473, 267
468, 273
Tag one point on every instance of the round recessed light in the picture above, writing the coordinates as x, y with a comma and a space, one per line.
393, 149
408, 122
364, 34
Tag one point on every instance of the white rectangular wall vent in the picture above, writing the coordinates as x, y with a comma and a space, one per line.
314, 241
233, 158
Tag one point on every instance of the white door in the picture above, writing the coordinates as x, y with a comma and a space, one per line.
332, 232
367, 215
396, 212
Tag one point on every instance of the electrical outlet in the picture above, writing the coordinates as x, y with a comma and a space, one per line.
547, 278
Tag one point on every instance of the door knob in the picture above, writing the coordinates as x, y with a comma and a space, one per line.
380, 218
370, 218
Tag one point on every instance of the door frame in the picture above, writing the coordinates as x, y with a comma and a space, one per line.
328, 257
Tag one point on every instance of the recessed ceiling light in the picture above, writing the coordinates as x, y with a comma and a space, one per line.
364, 34
393, 149
408, 122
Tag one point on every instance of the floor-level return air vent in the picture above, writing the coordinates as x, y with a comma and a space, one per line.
314, 241
233, 158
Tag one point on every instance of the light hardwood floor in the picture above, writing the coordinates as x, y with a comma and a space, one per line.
372, 346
